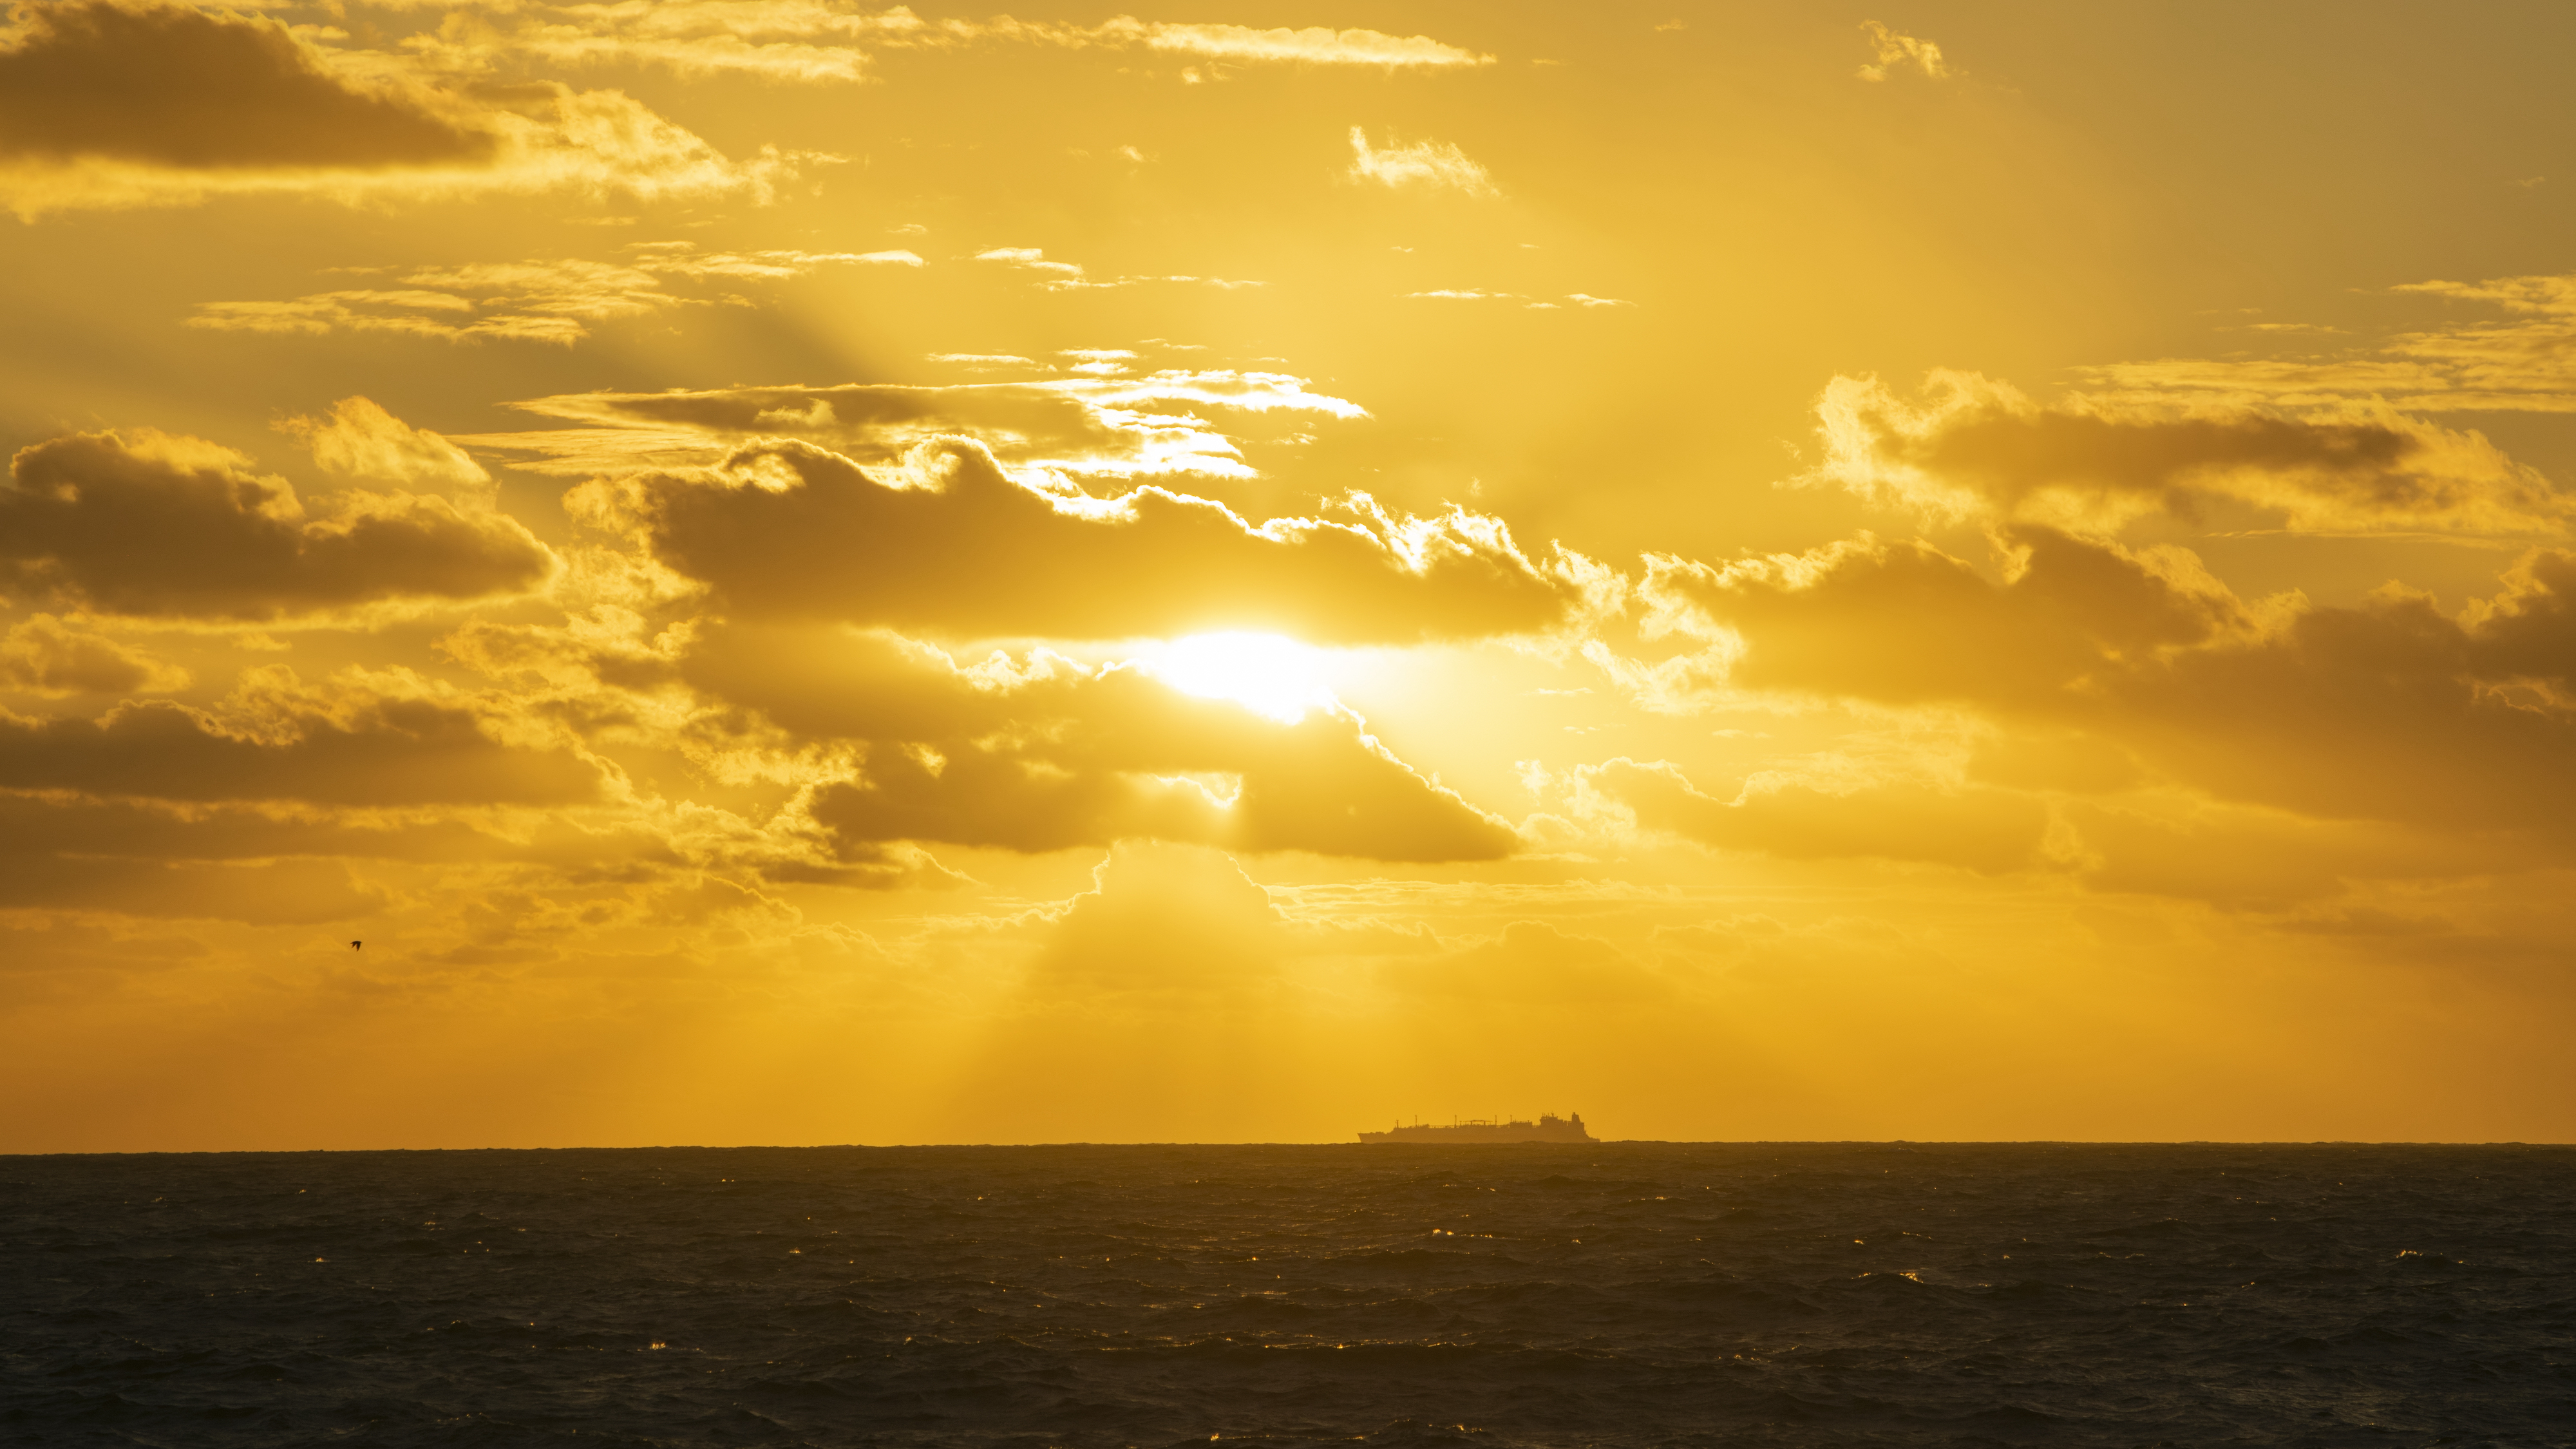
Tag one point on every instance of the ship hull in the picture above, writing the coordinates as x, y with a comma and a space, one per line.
1471, 1135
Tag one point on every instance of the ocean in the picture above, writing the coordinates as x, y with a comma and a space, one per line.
1624, 1294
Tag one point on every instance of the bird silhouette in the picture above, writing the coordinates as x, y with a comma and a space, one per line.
354, 945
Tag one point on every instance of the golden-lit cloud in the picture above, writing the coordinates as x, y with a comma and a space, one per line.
1062, 276
277, 738
830, 41
157, 524
2523, 362
803, 570
115, 103
362, 443
172, 86
1428, 165
1314, 45
953, 545
1117, 426
1901, 53
2389, 709
1977, 448
44, 656
535, 301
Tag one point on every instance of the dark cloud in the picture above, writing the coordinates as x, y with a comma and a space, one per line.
43, 655
276, 740
173, 86
263, 892
2388, 709
1980, 447
962, 551
159, 525
1048, 755
1906, 623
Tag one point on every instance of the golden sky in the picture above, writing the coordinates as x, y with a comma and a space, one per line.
800, 572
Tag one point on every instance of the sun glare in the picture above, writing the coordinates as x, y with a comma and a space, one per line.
1267, 673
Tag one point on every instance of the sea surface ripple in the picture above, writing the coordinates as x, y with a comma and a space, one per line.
1629, 1293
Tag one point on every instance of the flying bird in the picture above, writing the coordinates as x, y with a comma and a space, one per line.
354, 945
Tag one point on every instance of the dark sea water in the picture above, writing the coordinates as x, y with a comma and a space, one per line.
1109, 1296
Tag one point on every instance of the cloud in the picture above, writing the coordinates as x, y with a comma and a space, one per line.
1987, 830
1905, 623
2386, 710
1431, 165
274, 738
168, 85
113, 103
2524, 362
1041, 754
362, 443
1900, 53
1060, 276
828, 41
1087, 427
951, 544
1162, 920
812, 41
43, 655
169, 526
530, 301
1980, 449
280, 892
1315, 45
991, 361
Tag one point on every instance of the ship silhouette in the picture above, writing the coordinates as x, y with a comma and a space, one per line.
1548, 1128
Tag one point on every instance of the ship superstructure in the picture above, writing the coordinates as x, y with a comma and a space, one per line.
1548, 1128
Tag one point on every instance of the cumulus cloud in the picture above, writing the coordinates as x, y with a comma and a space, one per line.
43, 655
139, 102
168, 85
953, 545
1980, 449
1084, 427
531, 301
1429, 165
362, 443
1133, 758
1901, 53
276, 738
161, 525
1039, 753
1922, 627
2389, 709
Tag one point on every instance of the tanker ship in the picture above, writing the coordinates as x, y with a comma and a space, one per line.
1548, 1128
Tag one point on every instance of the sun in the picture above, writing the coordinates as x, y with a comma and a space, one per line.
1268, 674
